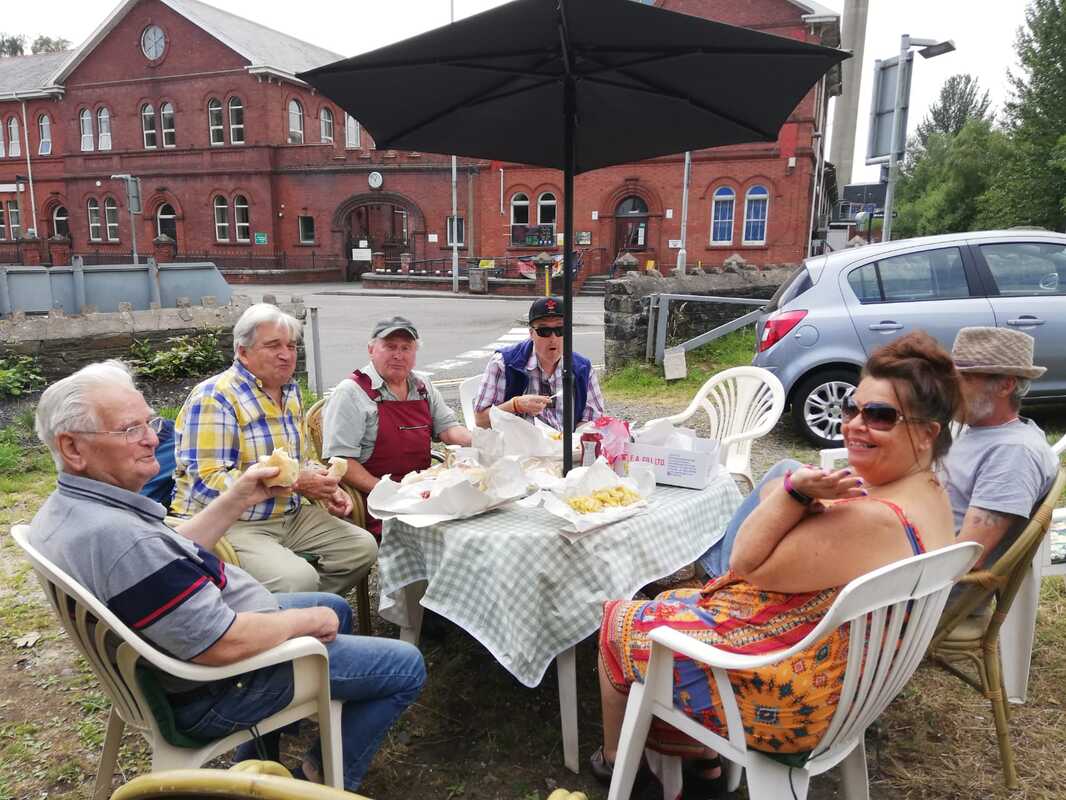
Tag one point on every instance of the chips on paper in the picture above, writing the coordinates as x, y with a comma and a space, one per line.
601, 499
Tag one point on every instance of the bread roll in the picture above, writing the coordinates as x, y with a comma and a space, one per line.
288, 468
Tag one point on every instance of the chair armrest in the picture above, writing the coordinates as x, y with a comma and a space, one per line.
715, 657
290, 650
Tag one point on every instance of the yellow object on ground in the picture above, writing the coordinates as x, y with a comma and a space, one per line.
248, 780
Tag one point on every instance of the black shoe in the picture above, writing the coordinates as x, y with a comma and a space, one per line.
602, 770
695, 785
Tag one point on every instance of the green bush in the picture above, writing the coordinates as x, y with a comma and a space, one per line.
19, 374
195, 355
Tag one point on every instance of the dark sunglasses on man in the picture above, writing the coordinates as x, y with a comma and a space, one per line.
876, 416
545, 331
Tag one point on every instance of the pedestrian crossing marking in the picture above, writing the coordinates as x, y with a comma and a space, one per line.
475, 354
522, 331
447, 364
513, 337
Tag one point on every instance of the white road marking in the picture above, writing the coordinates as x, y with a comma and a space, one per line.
522, 331
476, 354
497, 345
514, 337
447, 364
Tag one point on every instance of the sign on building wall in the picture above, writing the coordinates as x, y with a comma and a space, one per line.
360, 254
260, 237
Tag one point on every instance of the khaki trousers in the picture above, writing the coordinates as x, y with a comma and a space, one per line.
272, 551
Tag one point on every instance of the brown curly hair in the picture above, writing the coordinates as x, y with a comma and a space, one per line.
917, 364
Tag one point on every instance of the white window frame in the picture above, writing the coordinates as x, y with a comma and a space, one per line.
44, 135
159, 216
3, 224
14, 219
351, 132
2, 149
170, 135
221, 224
452, 241
93, 208
758, 192
214, 108
728, 195
523, 203
300, 229
543, 202
56, 218
296, 122
103, 128
111, 219
236, 129
325, 125
148, 116
14, 141
240, 202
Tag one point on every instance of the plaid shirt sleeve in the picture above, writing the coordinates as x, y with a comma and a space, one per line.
208, 446
493, 384
594, 402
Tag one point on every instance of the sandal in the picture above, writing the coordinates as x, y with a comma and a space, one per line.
602, 769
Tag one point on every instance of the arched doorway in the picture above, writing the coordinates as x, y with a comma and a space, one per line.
380, 222
631, 224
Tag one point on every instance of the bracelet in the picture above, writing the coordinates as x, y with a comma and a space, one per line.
794, 493
514, 405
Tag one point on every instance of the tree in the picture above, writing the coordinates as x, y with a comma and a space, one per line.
14, 45
961, 100
46, 44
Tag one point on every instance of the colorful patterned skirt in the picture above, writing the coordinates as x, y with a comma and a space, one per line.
785, 708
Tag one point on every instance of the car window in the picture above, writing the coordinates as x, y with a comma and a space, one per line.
1027, 268
795, 285
925, 275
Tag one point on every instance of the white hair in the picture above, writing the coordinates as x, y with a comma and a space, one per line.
1021, 389
67, 404
263, 314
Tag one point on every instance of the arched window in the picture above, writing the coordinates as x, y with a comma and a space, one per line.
326, 125
14, 144
756, 203
166, 114
631, 223
351, 132
103, 128
60, 222
221, 219
148, 126
242, 219
236, 121
85, 123
94, 220
215, 127
546, 209
166, 221
520, 209
722, 215
44, 135
111, 218
296, 122
1, 146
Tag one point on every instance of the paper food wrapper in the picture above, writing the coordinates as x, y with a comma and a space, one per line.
455, 493
586, 480
663, 433
511, 435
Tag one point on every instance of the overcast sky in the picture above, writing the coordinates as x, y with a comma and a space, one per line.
984, 34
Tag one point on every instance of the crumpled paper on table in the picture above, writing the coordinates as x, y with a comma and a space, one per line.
586, 480
510, 435
452, 495
663, 433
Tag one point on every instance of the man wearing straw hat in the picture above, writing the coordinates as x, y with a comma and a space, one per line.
1001, 465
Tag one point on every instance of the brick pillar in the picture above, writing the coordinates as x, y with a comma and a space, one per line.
164, 249
377, 261
405, 263
32, 251
59, 251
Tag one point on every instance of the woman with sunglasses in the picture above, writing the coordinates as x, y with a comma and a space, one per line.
809, 534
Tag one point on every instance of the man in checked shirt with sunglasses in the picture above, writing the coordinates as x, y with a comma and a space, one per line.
524, 378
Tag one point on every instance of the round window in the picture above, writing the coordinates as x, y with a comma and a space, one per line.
153, 42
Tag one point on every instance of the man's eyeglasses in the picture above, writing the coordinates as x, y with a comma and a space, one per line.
134, 433
545, 331
876, 416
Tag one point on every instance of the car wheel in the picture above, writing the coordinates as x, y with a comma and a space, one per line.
816, 405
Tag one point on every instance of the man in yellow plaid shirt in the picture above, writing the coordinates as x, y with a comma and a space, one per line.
233, 418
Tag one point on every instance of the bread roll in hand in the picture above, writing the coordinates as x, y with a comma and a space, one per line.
288, 468
337, 467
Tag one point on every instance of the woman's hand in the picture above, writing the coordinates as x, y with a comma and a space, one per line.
823, 485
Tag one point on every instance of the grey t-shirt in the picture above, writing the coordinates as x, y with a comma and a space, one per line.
1005, 468
164, 586
350, 417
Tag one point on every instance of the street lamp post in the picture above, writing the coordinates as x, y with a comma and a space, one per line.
133, 200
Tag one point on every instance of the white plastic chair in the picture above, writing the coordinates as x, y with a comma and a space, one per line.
742, 404
882, 656
467, 394
95, 631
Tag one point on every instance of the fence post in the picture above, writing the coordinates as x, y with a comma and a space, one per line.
317, 355
78, 269
660, 328
155, 295
5, 293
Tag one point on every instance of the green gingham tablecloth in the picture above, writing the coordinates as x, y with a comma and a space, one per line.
527, 594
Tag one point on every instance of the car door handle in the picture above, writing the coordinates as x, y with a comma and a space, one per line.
1025, 321
886, 325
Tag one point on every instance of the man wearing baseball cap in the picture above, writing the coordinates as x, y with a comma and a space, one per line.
383, 418
1001, 466
527, 378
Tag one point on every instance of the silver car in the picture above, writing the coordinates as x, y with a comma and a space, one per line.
835, 309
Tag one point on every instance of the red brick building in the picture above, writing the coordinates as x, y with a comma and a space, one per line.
243, 164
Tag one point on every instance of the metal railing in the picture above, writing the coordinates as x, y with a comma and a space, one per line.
659, 317
279, 259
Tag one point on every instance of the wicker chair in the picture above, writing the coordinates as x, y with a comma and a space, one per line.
967, 635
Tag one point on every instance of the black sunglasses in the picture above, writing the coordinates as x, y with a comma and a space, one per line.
876, 416
546, 331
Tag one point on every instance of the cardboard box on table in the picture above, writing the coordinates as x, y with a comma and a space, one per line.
692, 469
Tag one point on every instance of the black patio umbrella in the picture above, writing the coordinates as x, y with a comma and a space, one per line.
575, 85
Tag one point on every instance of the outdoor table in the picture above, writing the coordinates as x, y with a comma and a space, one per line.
514, 583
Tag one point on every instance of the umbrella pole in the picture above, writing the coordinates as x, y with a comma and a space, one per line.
568, 281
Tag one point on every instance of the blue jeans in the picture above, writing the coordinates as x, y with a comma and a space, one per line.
376, 678
715, 561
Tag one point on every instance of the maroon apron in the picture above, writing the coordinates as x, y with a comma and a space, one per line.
405, 435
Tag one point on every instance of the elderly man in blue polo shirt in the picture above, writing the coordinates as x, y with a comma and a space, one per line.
165, 583
525, 378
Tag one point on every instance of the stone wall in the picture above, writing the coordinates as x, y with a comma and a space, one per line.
626, 307
62, 344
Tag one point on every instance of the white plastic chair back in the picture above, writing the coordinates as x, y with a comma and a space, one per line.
467, 394
892, 611
742, 404
114, 652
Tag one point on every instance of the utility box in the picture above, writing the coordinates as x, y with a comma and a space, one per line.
479, 281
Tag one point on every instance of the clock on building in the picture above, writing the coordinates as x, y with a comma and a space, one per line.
153, 42
375, 180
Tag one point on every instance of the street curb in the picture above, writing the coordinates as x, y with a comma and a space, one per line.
426, 294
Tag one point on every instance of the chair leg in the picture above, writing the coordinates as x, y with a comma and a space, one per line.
363, 592
109, 757
853, 776
997, 695
635, 726
329, 731
770, 780
668, 770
